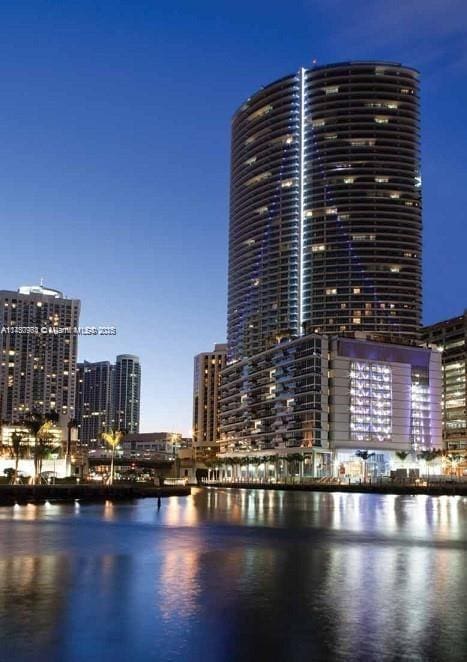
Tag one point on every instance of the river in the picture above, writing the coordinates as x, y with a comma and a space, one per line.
236, 575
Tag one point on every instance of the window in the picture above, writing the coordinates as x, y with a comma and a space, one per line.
260, 112
330, 291
332, 89
257, 179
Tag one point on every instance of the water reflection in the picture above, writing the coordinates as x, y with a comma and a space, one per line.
235, 575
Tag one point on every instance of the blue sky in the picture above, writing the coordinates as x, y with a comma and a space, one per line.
115, 130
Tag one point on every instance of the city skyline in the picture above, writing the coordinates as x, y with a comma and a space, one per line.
104, 146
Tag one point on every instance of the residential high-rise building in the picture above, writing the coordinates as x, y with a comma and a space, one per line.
127, 389
206, 384
39, 348
306, 407
94, 400
450, 336
325, 207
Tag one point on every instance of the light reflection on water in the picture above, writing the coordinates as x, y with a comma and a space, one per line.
236, 575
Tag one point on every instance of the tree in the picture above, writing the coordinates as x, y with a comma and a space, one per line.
365, 456
428, 456
402, 455
453, 460
39, 426
17, 449
43, 447
113, 439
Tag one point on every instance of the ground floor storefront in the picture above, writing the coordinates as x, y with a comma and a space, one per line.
346, 465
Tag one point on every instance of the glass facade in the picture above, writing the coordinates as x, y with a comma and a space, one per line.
370, 402
325, 207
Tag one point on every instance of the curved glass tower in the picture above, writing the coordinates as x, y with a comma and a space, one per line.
325, 210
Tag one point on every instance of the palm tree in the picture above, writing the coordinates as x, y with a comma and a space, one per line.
42, 447
113, 439
17, 449
402, 455
365, 456
39, 426
428, 456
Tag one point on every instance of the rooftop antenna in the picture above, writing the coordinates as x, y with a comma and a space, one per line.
314, 60
42, 281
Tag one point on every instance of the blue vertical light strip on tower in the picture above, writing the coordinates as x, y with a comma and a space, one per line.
301, 210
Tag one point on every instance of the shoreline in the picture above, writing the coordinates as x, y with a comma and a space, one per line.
11, 495
450, 489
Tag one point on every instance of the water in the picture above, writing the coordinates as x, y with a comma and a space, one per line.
236, 575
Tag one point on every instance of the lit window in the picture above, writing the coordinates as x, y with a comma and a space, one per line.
356, 320
363, 237
394, 268
331, 210
331, 291
362, 142
349, 180
288, 183
318, 123
260, 113
318, 248
380, 119
356, 290
250, 161
381, 180
332, 89
257, 179
330, 136
395, 195
261, 210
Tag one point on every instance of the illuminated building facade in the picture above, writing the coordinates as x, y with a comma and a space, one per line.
383, 398
127, 393
325, 207
319, 397
39, 349
94, 400
108, 397
450, 336
206, 383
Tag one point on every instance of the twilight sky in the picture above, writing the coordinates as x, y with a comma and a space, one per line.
115, 129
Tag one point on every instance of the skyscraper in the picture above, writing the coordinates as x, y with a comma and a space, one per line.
94, 400
206, 384
39, 348
127, 389
325, 209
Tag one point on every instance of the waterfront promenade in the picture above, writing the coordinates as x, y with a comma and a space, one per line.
67, 493
435, 488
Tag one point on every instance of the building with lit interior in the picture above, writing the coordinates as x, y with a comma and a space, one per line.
450, 337
127, 393
107, 398
94, 400
325, 207
206, 383
311, 404
39, 348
